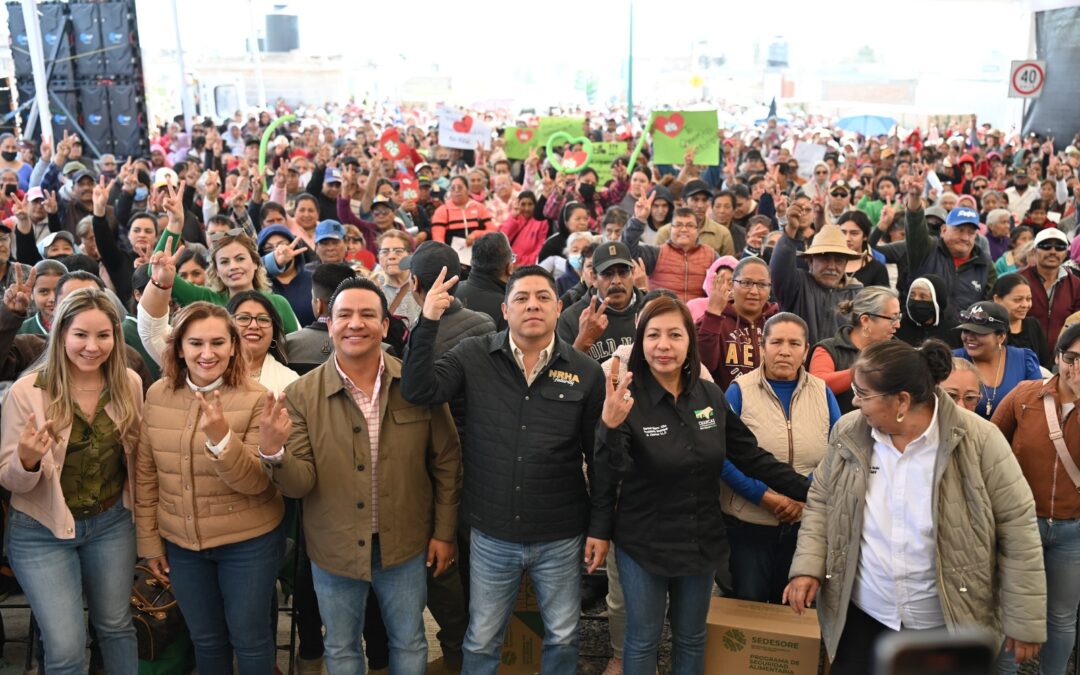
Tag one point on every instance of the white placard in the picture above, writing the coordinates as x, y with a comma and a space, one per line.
807, 155
462, 131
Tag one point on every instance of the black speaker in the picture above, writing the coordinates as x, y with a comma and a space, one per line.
56, 42
94, 99
128, 110
20, 43
7, 107
86, 29
118, 37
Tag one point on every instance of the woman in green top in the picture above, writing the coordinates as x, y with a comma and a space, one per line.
235, 266
884, 192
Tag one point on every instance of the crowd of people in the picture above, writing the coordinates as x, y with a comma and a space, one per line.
852, 384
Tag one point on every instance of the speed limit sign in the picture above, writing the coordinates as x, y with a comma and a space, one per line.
1026, 79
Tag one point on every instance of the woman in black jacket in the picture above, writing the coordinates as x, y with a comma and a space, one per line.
924, 312
668, 453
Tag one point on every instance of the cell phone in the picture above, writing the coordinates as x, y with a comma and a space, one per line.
937, 652
10, 189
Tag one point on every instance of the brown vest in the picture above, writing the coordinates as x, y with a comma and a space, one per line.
682, 272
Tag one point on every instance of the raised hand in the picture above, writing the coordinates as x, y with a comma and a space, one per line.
101, 195
18, 209
34, 443
17, 294
438, 298
163, 265
888, 215
212, 421
797, 219
240, 195
641, 276
617, 400
914, 197
592, 323
286, 253
173, 203
275, 425
643, 207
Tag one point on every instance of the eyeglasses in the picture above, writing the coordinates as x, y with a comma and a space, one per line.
968, 401
244, 320
1069, 358
1058, 246
354, 240
394, 251
747, 284
215, 237
977, 187
891, 319
861, 396
978, 316
684, 226
621, 271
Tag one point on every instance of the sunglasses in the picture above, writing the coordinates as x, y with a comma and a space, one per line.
839, 193
979, 317
1069, 358
1058, 246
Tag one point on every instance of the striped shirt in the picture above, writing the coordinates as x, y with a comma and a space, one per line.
369, 408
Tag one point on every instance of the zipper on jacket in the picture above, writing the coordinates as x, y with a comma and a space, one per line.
790, 443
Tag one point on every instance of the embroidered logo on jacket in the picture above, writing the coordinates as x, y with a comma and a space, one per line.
706, 418
563, 377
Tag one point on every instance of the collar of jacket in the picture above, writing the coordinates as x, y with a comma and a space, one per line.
802, 376
654, 391
332, 383
978, 257
501, 342
632, 308
855, 442
843, 338
485, 281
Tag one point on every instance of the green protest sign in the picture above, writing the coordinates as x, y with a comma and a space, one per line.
571, 126
519, 140
603, 154
673, 132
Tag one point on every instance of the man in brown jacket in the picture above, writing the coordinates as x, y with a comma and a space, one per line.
380, 479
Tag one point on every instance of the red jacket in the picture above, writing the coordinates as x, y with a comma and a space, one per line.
1066, 301
728, 344
526, 237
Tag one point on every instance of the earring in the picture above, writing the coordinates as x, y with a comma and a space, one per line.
899, 417
273, 345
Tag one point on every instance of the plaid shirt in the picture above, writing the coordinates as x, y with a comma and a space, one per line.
369, 408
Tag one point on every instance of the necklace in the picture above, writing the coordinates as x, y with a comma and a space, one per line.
990, 398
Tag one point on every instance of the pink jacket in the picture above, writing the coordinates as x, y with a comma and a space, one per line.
38, 493
526, 237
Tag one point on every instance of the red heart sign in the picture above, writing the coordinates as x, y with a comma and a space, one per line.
572, 160
524, 135
390, 145
464, 124
409, 189
669, 126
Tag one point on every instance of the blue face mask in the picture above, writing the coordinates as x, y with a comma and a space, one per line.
141, 194
575, 261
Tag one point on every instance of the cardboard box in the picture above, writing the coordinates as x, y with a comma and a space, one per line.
752, 637
524, 639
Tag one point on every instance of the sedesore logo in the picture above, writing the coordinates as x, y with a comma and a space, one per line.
734, 640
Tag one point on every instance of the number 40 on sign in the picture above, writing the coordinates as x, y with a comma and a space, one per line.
1026, 79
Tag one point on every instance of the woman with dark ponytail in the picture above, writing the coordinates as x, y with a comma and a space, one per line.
948, 537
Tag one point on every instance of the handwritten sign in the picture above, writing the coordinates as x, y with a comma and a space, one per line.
673, 132
462, 131
603, 154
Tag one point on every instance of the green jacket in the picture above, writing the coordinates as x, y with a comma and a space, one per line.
989, 553
186, 293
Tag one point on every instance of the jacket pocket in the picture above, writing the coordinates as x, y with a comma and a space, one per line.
410, 415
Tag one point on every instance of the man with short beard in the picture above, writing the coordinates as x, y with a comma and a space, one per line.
1055, 293
604, 319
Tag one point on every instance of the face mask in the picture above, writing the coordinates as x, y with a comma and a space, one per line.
141, 194
587, 191
575, 261
9, 156
922, 311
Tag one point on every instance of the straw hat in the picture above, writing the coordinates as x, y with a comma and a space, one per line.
829, 240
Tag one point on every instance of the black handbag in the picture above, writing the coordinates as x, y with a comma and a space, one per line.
157, 617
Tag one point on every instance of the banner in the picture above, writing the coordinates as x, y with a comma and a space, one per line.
518, 141
462, 131
673, 132
603, 154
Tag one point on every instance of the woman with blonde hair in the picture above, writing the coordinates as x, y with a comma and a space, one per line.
67, 454
207, 516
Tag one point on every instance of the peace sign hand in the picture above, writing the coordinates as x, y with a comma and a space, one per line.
34, 443
17, 294
51, 206
173, 203
592, 323
275, 425
18, 208
285, 253
163, 265
438, 298
618, 401
643, 207
101, 195
213, 422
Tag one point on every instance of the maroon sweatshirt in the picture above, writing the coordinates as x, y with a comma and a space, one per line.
729, 345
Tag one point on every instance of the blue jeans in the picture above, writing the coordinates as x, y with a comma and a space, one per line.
402, 594
226, 594
1061, 556
55, 574
495, 569
760, 558
645, 595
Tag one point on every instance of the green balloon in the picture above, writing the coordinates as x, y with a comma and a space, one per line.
569, 164
266, 138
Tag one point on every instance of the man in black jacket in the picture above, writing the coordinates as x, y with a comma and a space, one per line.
483, 291
598, 330
532, 404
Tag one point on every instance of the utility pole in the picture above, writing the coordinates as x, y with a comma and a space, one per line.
630, 72
185, 92
256, 55
37, 64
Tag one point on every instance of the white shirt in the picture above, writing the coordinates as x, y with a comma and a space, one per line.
896, 581
519, 356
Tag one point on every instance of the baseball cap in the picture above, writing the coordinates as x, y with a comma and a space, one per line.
839, 185
35, 193
421, 166
1050, 233
962, 215
428, 260
382, 201
80, 174
272, 230
1072, 150
48, 240
609, 254
696, 186
332, 176
165, 176
329, 229
72, 167
984, 318
937, 212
